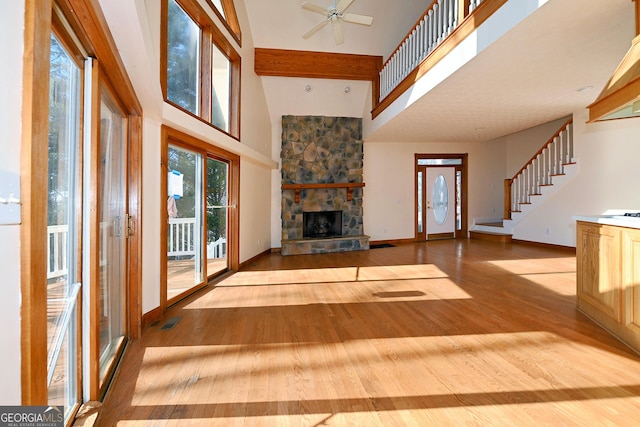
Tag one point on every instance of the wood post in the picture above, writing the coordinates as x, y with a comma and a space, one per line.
507, 199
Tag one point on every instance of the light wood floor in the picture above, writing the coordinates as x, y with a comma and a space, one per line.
443, 333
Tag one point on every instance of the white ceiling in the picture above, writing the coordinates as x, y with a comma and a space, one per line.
528, 77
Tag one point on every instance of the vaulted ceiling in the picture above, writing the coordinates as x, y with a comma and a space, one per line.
533, 74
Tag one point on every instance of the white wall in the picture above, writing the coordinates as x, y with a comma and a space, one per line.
136, 30
389, 194
607, 154
12, 34
151, 215
521, 146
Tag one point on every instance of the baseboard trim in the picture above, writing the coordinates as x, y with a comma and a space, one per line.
392, 241
253, 259
151, 316
546, 245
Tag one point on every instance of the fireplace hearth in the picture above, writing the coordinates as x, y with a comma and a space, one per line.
318, 225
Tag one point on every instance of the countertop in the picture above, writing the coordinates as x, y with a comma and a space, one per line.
617, 220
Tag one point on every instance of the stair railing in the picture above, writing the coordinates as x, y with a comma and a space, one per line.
539, 171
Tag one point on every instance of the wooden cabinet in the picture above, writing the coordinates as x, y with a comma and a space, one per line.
608, 278
631, 279
599, 269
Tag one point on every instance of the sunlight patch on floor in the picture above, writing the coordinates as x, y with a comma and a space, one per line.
279, 294
437, 365
560, 283
298, 276
535, 266
405, 272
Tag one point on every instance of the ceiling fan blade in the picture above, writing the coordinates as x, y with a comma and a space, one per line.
343, 5
357, 19
337, 32
314, 8
315, 29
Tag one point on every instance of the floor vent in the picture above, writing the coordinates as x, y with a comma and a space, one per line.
170, 323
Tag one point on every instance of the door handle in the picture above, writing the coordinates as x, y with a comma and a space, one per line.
117, 227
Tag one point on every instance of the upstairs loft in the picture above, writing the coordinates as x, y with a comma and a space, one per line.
462, 57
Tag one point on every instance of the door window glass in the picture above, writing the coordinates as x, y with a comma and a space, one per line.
217, 201
440, 199
113, 232
185, 267
63, 227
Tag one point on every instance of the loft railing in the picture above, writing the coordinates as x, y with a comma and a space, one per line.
539, 171
437, 23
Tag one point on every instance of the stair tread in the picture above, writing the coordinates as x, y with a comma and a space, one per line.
491, 224
497, 233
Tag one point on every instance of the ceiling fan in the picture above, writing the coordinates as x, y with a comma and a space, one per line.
335, 14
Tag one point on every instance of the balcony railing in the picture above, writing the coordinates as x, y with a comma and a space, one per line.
436, 25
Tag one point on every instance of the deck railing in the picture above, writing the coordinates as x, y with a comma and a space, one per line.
182, 240
539, 171
57, 238
437, 23
180, 243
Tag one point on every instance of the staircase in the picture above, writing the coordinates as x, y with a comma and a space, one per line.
546, 172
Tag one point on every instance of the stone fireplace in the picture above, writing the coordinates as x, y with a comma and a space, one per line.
322, 185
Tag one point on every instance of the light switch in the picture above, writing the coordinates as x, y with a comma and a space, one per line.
9, 198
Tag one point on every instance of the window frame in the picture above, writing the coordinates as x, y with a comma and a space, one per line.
210, 35
231, 22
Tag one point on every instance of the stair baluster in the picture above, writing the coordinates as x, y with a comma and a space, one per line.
549, 161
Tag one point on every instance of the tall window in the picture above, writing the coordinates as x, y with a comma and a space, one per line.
201, 69
220, 95
183, 59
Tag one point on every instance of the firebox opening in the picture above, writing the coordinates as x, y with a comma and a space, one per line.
321, 224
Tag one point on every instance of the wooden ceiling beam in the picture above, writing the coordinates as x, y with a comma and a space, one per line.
319, 65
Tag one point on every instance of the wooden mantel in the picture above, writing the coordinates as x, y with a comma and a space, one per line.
348, 185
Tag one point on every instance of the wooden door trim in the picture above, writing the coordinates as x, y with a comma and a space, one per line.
33, 196
463, 168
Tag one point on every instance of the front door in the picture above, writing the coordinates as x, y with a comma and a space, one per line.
440, 206
440, 196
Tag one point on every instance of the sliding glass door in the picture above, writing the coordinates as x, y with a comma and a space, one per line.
201, 227
114, 230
